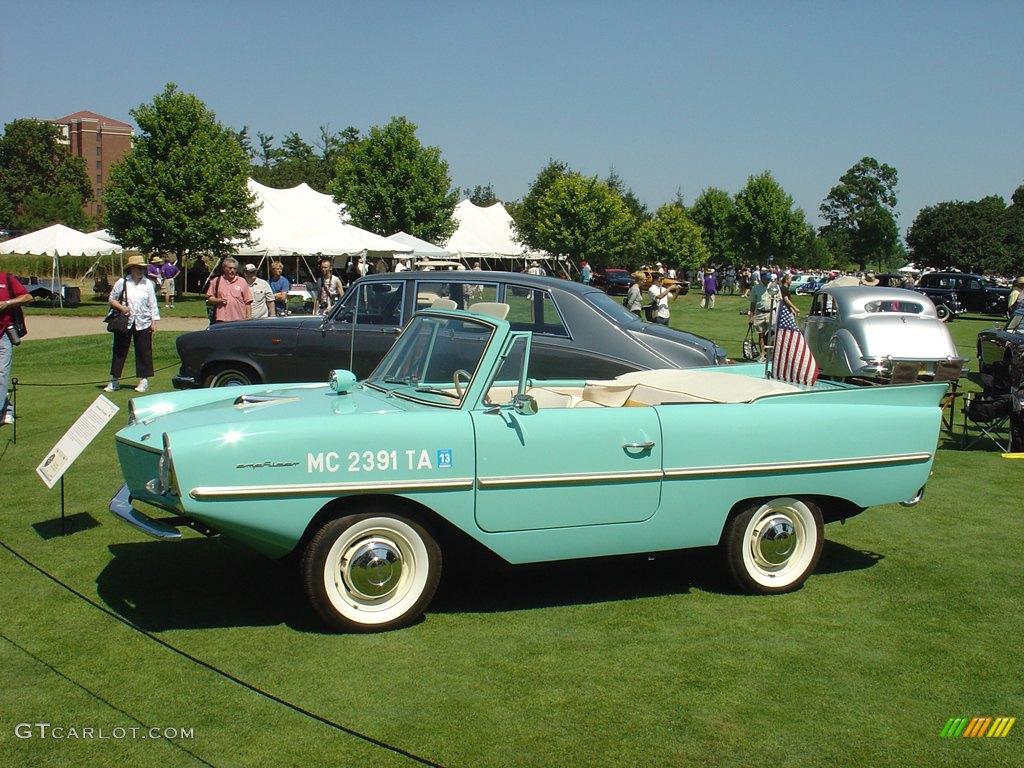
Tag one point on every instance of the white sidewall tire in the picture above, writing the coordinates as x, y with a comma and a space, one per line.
744, 543
327, 572
231, 376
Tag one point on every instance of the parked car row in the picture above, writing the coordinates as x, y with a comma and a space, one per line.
577, 331
962, 292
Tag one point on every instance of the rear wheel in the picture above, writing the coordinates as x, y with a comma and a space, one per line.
231, 375
943, 312
774, 546
371, 572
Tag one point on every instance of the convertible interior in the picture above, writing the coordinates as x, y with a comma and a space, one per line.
655, 387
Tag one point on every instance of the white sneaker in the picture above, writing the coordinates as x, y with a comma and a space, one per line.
143, 385
113, 386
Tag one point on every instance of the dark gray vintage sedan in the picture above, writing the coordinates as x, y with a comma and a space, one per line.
578, 331
996, 344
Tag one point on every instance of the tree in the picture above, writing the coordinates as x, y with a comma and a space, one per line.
1015, 233
768, 229
524, 213
714, 211
633, 203
672, 238
861, 208
581, 218
183, 188
971, 236
41, 182
297, 161
390, 183
480, 195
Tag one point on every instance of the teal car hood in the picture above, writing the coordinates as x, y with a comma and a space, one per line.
260, 404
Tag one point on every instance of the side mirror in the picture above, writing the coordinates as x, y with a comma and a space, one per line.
525, 405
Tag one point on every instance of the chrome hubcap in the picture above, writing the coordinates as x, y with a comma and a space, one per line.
775, 541
373, 568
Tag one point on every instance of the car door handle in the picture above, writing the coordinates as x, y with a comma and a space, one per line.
638, 446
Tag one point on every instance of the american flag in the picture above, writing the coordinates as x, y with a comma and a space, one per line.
792, 360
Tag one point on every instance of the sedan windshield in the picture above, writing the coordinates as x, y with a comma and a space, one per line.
434, 360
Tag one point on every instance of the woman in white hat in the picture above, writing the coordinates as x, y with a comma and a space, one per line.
135, 297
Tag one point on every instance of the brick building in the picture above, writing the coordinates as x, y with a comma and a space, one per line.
101, 142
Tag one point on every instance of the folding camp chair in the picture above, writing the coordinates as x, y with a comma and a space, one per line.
990, 415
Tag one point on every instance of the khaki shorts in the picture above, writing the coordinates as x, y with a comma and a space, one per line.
762, 321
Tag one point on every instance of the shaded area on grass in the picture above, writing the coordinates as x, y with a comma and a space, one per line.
207, 583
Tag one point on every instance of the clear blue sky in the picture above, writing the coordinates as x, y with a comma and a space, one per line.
675, 96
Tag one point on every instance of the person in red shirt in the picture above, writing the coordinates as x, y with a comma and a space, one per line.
229, 294
12, 296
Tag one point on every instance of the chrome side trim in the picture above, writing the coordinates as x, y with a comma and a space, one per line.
799, 466
328, 489
595, 477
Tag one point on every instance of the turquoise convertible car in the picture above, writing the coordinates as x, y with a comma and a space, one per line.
362, 480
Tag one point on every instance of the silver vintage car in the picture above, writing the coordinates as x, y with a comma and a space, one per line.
866, 331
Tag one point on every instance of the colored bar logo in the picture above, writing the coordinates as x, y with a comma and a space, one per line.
977, 727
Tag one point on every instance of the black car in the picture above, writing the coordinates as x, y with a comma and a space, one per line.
995, 345
612, 281
973, 292
578, 331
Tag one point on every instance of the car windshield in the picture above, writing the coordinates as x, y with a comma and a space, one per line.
434, 360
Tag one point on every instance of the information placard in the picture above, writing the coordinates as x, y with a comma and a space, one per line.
75, 440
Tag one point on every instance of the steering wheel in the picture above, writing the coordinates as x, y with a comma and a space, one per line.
463, 374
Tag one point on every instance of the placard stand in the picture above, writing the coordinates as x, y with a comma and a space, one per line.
51, 470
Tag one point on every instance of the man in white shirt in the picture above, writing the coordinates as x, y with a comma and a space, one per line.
262, 294
659, 297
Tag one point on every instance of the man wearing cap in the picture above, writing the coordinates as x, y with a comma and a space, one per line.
168, 272
762, 304
659, 297
262, 294
229, 294
1016, 292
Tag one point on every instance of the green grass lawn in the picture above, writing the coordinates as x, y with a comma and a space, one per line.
913, 617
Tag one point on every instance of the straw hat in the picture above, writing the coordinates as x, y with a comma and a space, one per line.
1019, 280
156, 260
136, 260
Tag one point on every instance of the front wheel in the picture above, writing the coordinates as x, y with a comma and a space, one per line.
371, 572
774, 546
943, 312
231, 376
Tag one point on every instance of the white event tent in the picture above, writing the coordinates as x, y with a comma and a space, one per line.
485, 234
301, 221
56, 241
421, 249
